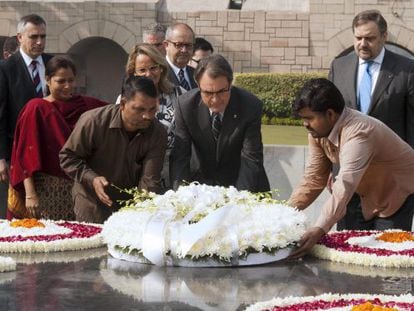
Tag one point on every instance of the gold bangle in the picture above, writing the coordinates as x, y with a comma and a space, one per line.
31, 196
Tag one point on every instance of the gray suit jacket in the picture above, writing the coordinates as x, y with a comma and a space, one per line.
393, 97
236, 159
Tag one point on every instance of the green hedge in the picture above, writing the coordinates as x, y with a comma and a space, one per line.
277, 91
281, 121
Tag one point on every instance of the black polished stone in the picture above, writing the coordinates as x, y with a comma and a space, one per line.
92, 280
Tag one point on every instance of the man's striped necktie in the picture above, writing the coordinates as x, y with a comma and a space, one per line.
183, 82
36, 79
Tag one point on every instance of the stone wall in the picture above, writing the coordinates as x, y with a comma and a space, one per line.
97, 35
68, 22
279, 41
254, 41
286, 40
330, 22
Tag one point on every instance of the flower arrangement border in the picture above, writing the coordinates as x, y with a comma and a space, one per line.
334, 247
331, 301
82, 236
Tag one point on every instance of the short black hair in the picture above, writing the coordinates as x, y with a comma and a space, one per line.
319, 95
202, 44
58, 62
133, 85
214, 66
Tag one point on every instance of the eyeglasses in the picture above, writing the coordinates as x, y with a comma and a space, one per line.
218, 93
143, 71
196, 60
181, 45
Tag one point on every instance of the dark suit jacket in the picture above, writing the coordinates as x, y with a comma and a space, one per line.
174, 79
16, 89
238, 157
393, 97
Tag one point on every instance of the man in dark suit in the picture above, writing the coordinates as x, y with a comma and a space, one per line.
179, 44
21, 79
378, 83
223, 124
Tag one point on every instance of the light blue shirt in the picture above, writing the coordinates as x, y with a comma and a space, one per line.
375, 69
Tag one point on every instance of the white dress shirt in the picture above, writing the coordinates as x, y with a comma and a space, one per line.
40, 67
177, 70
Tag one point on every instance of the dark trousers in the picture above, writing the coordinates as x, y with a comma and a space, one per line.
354, 220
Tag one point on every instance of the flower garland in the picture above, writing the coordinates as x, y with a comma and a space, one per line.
367, 248
336, 302
52, 237
200, 221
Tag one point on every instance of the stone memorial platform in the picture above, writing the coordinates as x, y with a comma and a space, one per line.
92, 280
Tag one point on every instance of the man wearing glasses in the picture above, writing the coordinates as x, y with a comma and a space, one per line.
179, 44
202, 49
223, 123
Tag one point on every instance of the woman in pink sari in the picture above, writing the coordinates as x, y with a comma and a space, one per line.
42, 128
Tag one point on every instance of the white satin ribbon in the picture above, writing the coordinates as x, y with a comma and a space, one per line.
183, 235
190, 234
153, 240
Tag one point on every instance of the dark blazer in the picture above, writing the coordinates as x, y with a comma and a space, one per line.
238, 157
174, 79
393, 97
16, 89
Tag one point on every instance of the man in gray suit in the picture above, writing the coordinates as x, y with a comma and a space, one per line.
179, 44
222, 122
377, 82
